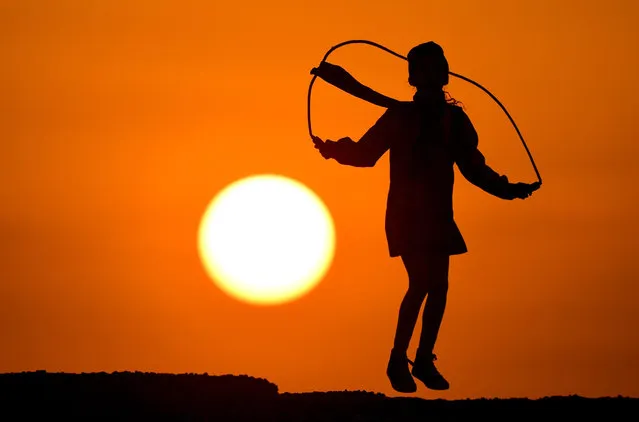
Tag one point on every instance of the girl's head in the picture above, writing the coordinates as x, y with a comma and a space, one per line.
427, 67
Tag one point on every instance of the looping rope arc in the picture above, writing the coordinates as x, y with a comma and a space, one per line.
374, 44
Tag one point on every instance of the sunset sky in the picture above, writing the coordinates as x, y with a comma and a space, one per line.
121, 120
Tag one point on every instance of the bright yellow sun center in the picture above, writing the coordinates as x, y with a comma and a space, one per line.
266, 239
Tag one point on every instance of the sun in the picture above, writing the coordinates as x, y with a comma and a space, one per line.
266, 239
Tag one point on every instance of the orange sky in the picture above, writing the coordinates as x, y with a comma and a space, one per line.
121, 120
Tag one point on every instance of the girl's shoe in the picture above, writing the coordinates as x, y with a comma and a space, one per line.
424, 370
399, 374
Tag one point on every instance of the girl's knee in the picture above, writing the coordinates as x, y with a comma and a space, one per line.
439, 287
417, 291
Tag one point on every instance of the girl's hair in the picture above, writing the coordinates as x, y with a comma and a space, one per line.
450, 100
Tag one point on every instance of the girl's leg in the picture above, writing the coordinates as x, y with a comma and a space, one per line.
397, 370
435, 306
411, 303
433, 271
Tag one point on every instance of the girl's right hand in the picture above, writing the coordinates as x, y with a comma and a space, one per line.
523, 190
324, 147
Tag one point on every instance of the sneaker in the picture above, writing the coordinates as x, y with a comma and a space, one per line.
424, 370
399, 374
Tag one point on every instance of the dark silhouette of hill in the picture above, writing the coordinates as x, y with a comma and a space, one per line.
150, 396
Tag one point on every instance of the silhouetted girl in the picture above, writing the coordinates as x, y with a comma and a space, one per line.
425, 137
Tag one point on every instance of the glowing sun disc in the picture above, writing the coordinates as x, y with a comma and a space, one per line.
266, 239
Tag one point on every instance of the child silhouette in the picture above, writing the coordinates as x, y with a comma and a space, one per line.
425, 137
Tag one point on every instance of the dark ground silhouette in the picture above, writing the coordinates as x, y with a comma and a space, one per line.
149, 396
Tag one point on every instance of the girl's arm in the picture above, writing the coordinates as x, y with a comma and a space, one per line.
472, 164
367, 150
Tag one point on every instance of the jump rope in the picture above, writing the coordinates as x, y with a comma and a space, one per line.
350, 85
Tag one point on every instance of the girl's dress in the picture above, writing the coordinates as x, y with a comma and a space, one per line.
425, 142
